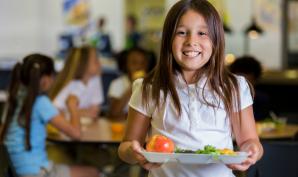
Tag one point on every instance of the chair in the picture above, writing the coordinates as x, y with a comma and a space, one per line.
280, 160
6, 167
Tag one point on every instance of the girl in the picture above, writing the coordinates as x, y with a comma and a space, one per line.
29, 110
191, 97
79, 78
136, 61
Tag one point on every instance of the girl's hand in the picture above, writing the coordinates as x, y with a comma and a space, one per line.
253, 151
92, 112
72, 102
136, 150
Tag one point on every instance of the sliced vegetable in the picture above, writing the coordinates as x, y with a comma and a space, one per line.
208, 149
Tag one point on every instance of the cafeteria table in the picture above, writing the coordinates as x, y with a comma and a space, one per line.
286, 132
99, 131
102, 133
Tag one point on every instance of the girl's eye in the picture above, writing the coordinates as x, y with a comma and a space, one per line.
202, 33
181, 33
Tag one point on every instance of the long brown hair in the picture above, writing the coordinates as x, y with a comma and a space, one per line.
27, 76
74, 68
221, 82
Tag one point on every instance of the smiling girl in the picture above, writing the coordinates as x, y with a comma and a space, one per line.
191, 97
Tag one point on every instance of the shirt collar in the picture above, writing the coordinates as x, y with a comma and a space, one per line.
181, 84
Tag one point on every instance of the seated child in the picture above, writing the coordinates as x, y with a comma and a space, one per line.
28, 112
136, 66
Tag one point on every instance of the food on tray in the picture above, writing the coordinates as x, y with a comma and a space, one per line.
178, 150
159, 143
208, 149
161, 149
227, 151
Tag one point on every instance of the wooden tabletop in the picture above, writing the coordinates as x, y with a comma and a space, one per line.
101, 131
288, 131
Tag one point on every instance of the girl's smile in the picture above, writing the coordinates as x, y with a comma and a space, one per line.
191, 53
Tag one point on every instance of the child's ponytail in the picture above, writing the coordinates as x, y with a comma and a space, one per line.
32, 92
11, 103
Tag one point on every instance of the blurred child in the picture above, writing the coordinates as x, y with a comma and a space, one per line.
101, 40
191, 98
247, 66
29, 111
251, 69
79, 78
135, 66
133, 37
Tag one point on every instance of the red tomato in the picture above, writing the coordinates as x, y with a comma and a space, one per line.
159, 143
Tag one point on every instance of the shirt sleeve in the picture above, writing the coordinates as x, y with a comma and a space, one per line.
96, 90
45, 109
244, 92
59, 101
70, 89
115, 89
136, 99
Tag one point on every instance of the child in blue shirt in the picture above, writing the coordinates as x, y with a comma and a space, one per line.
28, 112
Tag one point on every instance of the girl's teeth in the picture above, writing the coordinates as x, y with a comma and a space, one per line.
191, 54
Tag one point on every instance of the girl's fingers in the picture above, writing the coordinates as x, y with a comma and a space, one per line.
136, 147
238, 167
254, 157
252, 152
243, 166
149, 166
137, 150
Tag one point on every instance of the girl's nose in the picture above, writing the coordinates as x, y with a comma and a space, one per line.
192, 40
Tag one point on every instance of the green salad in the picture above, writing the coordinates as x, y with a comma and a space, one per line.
208, 149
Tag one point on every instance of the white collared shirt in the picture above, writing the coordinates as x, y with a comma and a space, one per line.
198, 125
88, 94
118, 87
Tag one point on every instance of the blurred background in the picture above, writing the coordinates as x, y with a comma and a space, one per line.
261, 38
264, 29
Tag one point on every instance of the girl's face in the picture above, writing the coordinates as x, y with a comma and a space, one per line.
46, 82
136, 61
93, 64
192, 47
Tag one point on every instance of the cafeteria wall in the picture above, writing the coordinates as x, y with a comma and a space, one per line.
268, 47
34, 25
